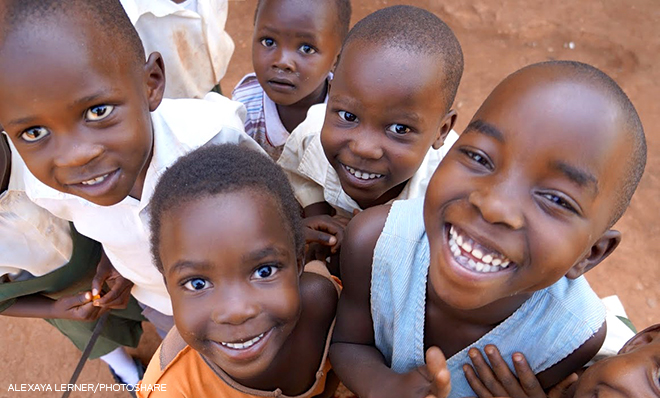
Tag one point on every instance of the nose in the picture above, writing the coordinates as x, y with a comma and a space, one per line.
74, 150
498, 203
284, 60
234, 307
366, 145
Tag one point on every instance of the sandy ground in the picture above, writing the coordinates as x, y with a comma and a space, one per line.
498, 37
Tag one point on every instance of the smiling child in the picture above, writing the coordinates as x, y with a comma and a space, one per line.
250, 321
295, 45
89, 130
388, 115
519, 209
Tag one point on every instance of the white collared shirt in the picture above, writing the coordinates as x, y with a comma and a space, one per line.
33, 240
180, 126
191, 38
315, 180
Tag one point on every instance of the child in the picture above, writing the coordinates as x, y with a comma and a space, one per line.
388, 114
526, 196
191, 37
249, 321
632, 373
295, 45
47, 271
88, 129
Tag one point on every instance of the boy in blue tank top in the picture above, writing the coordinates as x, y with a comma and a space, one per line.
519, 209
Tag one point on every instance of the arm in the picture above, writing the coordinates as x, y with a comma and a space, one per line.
355, 358
77, 307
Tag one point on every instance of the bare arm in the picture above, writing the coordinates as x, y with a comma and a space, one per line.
78, 307
355, 358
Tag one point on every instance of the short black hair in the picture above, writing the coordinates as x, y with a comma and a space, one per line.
416, 31
108, 17
219, 169
634, 131
344, 11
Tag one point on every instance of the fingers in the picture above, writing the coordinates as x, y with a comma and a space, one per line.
485, 374
117, 297
528, 381
321, 237
560, 389
501, 369
475, 383
440, 376
103, 271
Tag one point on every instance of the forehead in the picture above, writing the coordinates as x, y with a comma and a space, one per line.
298, 15
383, 72
540, 117
213, 226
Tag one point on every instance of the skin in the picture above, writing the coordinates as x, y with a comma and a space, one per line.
634, 372
230, 249
499, 185
85, 116
384, 114
295, 45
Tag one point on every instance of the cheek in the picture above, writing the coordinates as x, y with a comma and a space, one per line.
287, 305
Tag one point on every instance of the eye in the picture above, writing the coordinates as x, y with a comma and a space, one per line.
196, 284
347, 116
267, 42
265, 271
558, 200
34, 134
399, 129
98, 112
307, 49
478, 158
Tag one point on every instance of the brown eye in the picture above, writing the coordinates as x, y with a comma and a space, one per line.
265, 271
347, 116
98, 112
34, 134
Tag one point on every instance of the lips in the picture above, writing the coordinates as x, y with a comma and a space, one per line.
241, 345
281, 85
475, 256
359, 177
244, 349
97, 185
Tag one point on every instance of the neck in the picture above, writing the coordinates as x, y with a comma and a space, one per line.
393, 193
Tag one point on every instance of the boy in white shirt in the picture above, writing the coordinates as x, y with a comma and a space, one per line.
88, 129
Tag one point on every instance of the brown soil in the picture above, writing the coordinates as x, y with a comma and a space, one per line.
498, 37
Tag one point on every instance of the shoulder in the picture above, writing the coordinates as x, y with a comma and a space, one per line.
360, 240
320, 296
248, 83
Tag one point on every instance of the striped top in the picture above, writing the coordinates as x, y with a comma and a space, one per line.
549, 326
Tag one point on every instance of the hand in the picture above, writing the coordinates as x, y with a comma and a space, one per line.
440, 376
77, 307
120, 288
498, 380
325, 230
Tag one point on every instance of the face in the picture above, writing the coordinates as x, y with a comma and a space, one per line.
384, 113
295, 45
524, 195
83, 123
233, 279
634, 373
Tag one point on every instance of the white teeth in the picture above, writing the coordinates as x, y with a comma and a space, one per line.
363, 175
460, 246
95, 181
243, 345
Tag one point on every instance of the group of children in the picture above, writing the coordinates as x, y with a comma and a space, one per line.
328, 224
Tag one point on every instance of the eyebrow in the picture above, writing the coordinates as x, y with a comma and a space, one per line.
301, 35
181, 265
580, 177
263, 253
485, 128
76, 103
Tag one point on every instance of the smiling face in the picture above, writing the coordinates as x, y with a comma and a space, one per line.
83, 123
294, 47
633, 373
524, 195
385, 111
233, 277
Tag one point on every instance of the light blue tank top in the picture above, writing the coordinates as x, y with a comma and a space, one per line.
549, 326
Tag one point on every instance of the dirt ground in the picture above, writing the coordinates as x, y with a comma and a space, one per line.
498, 37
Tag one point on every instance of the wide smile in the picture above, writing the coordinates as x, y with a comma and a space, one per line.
244, 349
360, 178
474, 256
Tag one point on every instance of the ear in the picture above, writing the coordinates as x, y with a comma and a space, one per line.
447, 123
603, 247
154, 71
642, 338
301, 266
